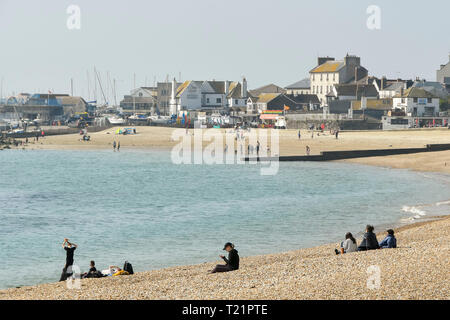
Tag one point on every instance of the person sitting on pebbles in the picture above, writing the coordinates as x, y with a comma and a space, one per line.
232, 263
370, 241
390, 242
349, 245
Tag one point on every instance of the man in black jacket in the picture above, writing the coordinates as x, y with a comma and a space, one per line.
370, 241
232, 263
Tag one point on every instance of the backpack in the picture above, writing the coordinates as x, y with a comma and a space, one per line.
128, 267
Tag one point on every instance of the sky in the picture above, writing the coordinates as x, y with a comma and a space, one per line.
265, 41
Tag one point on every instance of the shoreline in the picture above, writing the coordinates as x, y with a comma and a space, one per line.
160, 138
273, 276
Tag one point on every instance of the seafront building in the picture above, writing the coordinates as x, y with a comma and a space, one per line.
330, 72
208, 96
140, 101
417, 102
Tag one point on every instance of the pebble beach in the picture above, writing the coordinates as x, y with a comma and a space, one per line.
418, 269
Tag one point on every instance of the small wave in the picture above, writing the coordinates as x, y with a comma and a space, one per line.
443, 203
415, 210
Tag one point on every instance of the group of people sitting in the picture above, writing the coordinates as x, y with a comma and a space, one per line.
369, 242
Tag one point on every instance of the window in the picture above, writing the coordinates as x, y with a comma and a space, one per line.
415, 100
314, 77
327, 76
207, 100
236, 101
334, 76
218, 100
321, 77
429, 100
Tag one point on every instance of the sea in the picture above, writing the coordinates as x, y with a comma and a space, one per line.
138, 206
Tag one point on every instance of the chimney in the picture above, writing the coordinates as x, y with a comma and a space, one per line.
244, 88
383, 82
173, 102
322, 60
227, 88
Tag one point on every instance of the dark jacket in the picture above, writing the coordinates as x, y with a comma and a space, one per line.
390, 242
233, 259
369, 242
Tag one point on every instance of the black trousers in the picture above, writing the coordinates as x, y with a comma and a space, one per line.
64, 274
222, 268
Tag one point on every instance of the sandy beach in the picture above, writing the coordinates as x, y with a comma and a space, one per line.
161, 138
418, 269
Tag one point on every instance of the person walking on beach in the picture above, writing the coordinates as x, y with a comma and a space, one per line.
232, 263
299, 135
390, 242
349, 245
370, 241
114, 145
70, 249
337, 134
308, 150
118, 146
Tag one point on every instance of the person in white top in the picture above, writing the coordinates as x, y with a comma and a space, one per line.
349, 245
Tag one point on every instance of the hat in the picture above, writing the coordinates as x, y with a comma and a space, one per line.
228, 244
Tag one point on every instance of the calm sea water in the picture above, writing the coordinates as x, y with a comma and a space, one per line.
138, 206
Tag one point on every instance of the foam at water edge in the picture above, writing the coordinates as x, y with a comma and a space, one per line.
418, 213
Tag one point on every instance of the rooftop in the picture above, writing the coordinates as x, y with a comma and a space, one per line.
302, 84
329, 66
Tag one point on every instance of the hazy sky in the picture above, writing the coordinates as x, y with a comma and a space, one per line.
267, 41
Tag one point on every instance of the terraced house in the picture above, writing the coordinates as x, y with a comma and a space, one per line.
330, 72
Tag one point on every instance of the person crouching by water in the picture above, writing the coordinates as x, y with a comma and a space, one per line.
232, 263
70, 249
390, 242
349, 245
370, 241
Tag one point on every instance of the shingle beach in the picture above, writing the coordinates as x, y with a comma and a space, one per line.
418, 269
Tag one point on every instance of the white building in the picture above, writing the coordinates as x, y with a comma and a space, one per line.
208, 96
330, 72
417, 102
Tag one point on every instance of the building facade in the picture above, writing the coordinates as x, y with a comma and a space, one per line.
140, 101
416, 102
208, 96
300, 87
329, 72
